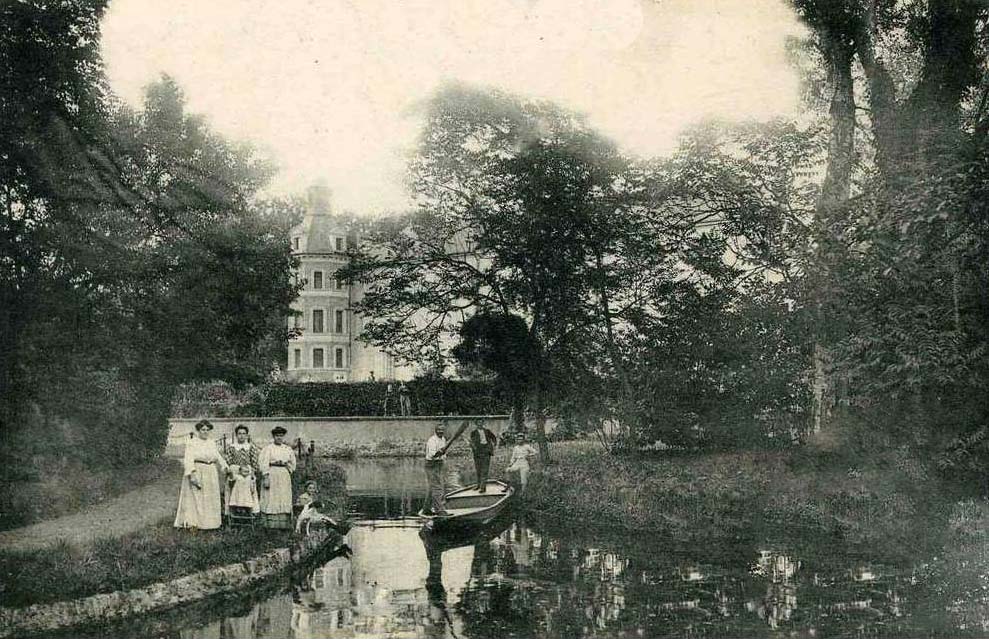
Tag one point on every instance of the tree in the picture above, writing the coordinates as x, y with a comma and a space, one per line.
523, 211
904, 270
501, 344
132, 259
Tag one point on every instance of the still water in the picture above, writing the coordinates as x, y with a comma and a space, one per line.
521, 578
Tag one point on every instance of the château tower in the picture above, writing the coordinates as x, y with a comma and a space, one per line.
324, 347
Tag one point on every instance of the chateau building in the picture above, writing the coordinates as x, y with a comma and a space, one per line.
325, 347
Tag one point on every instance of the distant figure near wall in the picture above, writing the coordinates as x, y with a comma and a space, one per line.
389, 402
404, 400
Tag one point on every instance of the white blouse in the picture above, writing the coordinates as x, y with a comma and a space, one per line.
203, 450
276, 453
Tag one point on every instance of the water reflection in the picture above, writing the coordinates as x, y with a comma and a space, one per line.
516, 579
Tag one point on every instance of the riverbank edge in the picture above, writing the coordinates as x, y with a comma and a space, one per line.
718, 497
156, 597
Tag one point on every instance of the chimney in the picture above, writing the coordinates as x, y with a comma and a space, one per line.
318, 199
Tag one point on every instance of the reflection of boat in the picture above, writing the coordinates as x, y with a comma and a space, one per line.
469, 507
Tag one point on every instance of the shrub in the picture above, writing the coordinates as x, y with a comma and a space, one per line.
430, 396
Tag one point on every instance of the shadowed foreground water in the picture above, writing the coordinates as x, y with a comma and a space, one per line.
518, 579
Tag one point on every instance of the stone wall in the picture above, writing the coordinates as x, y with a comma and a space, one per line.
337, 436
105, 608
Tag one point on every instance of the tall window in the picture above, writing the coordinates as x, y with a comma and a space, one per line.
339, 358
339, 284
339, 243
338, 326
317, 358
298, 358
295, 243
317, 320
317, 280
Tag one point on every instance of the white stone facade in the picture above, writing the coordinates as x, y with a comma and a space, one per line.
325, 347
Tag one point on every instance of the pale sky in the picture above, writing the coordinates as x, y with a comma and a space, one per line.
328, 88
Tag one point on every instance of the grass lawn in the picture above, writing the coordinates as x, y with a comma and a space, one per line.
62, 571
717, 496
62, 490
158, 553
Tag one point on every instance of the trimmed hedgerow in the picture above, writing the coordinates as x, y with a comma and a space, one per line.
428, 396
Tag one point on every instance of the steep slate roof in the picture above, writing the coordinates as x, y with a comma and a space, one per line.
319, 227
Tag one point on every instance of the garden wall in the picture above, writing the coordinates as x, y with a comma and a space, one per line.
334, 433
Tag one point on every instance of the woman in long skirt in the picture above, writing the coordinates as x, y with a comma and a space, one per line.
199, 497
242, 456
277, 463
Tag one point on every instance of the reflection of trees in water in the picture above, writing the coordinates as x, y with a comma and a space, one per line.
525, 582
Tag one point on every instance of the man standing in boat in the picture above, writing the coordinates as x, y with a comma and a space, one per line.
482, 445
435, 454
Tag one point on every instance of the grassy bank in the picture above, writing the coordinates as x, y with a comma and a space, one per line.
161, 552
759, 494
64, 487
63, 571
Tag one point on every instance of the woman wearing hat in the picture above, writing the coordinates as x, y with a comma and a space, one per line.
277, 463
242, 455
199, 497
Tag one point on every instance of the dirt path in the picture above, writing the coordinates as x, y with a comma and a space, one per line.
112, 518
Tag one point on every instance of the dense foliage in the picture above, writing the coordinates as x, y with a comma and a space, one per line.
132, 256
901, 280
625, 311
428, 396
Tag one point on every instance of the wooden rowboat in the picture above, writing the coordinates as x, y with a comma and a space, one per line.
469, 507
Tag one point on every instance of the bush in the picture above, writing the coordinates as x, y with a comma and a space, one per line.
430, 396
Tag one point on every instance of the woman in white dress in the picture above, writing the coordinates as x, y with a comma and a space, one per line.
199, 497
522, 452
277, 463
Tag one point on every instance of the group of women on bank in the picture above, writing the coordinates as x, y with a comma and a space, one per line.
256, 482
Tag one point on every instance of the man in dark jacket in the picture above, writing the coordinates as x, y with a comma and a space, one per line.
482, 444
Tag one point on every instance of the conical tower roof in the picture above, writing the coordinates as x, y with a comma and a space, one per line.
320, 227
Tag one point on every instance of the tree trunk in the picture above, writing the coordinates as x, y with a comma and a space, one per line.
518, 412
909, 132
539, 412
835, 192
616, 360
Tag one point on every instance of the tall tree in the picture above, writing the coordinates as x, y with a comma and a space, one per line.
902, 274
131, 258
525, 212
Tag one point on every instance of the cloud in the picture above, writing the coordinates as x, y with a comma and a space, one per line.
326, 87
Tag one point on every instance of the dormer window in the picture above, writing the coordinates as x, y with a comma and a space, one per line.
339, 244
295, 243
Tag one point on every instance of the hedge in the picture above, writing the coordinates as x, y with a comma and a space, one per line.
429, 396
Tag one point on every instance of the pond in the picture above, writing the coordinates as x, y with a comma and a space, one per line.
519, 578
